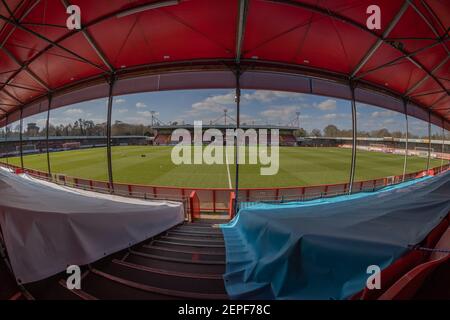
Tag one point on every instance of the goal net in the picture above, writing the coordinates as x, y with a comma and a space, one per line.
422, 151
379, 147
27, 148
71, 145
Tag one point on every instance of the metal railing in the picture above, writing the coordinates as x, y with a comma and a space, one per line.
104, 188
217, 200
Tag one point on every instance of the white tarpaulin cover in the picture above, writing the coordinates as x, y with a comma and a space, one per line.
47, 227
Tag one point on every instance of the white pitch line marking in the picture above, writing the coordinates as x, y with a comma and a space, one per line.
228, 168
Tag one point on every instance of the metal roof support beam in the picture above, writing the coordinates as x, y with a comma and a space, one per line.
47, 133
421, 81
11, 15
242, 21
35, 24
8, 105
437, 101
427, 93
381, 39
92, 42
354, 137
432, 28
238, 123
52, 43
147, 6
409, 55
443, 142
19, 86
11, 96
429, 140
434, 16
412, 38
21, 137
26, 13
337, 16
5, 39
108, 133
23, 66
405, 161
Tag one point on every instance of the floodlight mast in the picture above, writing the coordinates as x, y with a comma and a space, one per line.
298, 118
153, 117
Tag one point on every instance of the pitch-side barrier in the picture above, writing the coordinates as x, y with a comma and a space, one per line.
221, 200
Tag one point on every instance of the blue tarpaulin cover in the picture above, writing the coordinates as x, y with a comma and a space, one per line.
321, 249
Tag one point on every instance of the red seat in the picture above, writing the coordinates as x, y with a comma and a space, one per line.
408, 285
392, 273
435, 234
395, 272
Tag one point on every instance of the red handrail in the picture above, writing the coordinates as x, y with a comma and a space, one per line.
217, 199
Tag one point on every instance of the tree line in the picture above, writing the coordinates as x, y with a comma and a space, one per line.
83, 127
332, 131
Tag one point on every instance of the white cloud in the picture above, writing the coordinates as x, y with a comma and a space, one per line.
135, 120
213, 104
380, 114
248, 119
121, 110
330, 116
266, 96
327, 105
73, 112
147, 114
141, 105
119, 100
285, 113
390, 121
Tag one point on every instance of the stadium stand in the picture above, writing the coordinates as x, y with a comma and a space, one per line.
428, 280
82, 227
287, 140
189, 251
185, 262
235, 46
9, 288
162, 140
302, 232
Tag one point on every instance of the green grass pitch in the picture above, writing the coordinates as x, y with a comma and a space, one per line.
153, 166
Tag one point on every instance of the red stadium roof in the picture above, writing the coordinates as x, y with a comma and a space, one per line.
407, 59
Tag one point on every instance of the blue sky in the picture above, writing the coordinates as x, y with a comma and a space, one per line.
258, 107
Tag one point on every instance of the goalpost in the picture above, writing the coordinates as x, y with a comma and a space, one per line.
380, 147
422, 151
27, 148
71, 145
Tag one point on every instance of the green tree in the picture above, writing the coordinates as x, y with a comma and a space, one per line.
331, 131
316, 133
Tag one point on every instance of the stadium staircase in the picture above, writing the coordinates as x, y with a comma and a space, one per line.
8, 287
185, 262
188, 261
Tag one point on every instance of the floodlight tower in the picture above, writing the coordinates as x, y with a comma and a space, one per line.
225, 111
298, 118
153, 116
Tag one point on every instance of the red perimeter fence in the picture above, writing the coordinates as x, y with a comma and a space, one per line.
221, 200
